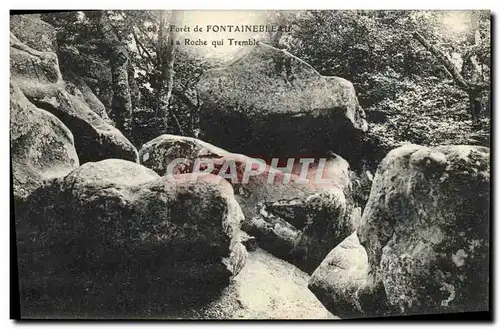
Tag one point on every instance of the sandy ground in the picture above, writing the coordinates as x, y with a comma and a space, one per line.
268, 288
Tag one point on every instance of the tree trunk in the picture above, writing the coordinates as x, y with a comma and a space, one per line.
166, 57
276, 38
121, 105
455, 73
194, 111
135, 94
475, 108
472, 70
472, 89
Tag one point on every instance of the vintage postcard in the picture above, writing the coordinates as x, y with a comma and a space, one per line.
272, 164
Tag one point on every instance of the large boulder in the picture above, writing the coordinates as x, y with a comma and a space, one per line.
112, 235
41, 146
303, 231
271, 103
34, 32
296, 219
342, 282
38, 76
158, 153
77, 87
426, 228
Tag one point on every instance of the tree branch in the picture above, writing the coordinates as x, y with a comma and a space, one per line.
146, 34
287, 53
137, 42
452, 69
181, 131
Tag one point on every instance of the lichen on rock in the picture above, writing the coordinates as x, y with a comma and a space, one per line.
427, 207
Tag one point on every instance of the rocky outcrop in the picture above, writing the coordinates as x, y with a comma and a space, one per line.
296, 219
271, 103
34, 32
116, 234
423, 239
342, 282
37, 75
426, 228
303, 232
77, 87
41, 146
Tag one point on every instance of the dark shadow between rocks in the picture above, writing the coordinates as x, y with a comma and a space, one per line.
89, 145
118, 284
281, 136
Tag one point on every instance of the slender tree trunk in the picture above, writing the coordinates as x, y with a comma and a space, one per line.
472, 89
135, 94
471, 69
166, 58
276, 38
121, 105
195, 117
455, 73
273, 40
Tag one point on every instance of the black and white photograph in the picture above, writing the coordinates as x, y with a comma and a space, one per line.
250, 164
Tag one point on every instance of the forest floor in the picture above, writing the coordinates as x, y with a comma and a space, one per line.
268, 288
